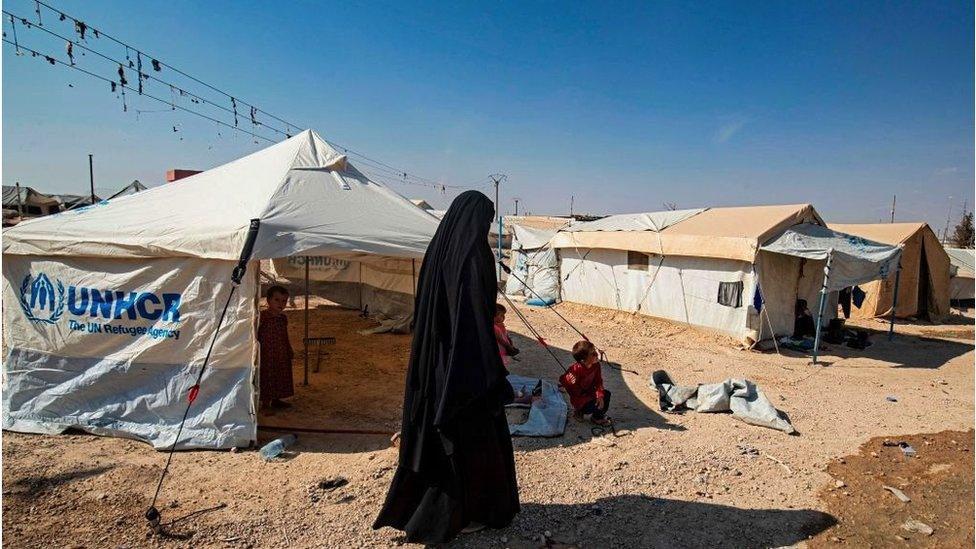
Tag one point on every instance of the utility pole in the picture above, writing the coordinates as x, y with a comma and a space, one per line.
91, 178
516, 199
496, 179
945, 233
893, 198
20, 202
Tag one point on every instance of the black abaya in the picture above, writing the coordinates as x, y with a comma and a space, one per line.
456, 461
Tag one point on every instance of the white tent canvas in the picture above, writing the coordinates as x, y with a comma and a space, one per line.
962, 285
110, 308
700, 267
534, 263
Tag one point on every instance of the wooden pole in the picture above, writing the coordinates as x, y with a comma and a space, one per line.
305, 340
413, 269
91, 178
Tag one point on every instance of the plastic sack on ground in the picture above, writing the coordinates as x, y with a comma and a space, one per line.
547, 417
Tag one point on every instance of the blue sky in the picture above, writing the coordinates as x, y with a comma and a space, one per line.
625, 106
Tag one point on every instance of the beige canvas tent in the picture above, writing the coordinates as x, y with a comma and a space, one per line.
923, 289
708, 267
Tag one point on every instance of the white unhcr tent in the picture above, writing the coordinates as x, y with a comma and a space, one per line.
110, 309
533, 262
703, 267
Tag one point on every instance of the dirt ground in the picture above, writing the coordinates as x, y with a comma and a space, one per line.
938, 481
691, 480
358, 385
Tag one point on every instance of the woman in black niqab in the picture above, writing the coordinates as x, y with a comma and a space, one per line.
456, 466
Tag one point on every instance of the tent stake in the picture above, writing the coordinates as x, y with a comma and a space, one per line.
305, 341
894, 302
823, 298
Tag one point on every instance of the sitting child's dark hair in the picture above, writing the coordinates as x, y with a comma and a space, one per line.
582, 349
499, 308
275, 289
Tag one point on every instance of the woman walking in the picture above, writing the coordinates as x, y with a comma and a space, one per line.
456, 470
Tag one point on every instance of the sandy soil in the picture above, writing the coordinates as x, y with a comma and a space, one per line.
668, 480
938, 481
359, 382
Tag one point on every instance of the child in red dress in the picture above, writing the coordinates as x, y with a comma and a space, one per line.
276, 352
505, 347
584, 384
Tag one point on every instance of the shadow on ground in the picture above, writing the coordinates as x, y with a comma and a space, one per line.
642, 521
902, 351
327, 443
33, 485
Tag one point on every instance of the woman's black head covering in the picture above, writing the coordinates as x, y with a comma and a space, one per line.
454, 359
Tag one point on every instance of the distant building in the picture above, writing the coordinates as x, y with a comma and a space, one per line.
131, 188
31, 203
21, 202
177, 174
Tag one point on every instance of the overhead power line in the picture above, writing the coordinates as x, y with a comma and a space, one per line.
239, 108
53, 60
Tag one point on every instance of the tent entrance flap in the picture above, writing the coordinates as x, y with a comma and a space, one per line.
854, 260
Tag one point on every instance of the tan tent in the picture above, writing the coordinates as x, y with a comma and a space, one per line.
671, 265
923, 290
738, 270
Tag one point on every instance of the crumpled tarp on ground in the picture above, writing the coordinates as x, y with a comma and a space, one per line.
547, 417
392, 325
740, 396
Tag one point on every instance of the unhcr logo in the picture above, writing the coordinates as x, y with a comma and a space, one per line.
39, 300
42, 302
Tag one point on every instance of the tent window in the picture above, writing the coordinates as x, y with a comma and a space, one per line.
637, 261
33, 210
730, 294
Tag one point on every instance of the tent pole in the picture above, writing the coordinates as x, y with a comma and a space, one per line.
413, 274
894, 303
823, 299
360, 286
305, 340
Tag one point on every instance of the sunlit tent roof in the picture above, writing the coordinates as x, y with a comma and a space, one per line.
888, 233
963, 259
650, 221
309, 198
924, 280
854, 260
722, 233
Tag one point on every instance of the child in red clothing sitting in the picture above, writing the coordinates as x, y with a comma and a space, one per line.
584, 383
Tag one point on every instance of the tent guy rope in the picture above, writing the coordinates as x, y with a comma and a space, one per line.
152, 514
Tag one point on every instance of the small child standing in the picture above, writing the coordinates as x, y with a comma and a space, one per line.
584, 383
505, 347
276, 352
